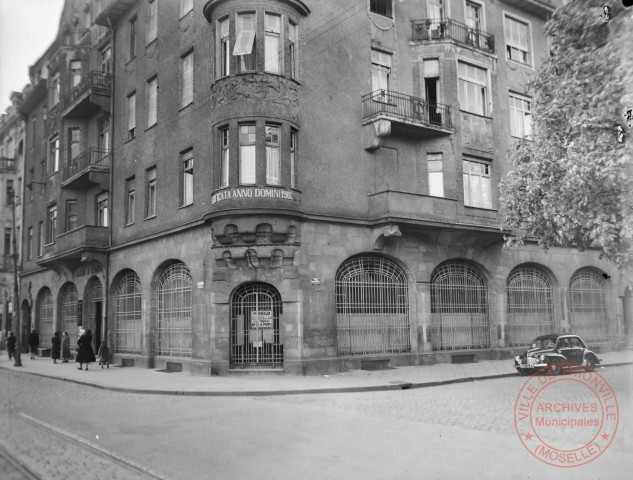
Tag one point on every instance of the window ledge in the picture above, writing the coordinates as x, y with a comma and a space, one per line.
150, 217
128, 224
130, 60
190, 12
151, 126
516, 62
475, 114
185, 206
487, 209
151, 42
130, 139
185, 106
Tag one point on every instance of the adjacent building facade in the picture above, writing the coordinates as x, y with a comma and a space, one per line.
11, 175
293, 185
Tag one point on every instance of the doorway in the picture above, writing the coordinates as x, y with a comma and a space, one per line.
255, 336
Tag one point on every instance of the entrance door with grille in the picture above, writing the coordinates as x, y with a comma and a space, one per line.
255, 334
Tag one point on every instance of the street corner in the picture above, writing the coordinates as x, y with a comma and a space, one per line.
566, 420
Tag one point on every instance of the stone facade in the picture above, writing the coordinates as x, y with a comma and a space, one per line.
309, 236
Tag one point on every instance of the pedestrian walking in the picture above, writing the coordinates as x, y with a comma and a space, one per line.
65, 347
104, 355
57, 346
34, 342
11, 345
85, 354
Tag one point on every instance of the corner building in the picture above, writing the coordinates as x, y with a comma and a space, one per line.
311, 186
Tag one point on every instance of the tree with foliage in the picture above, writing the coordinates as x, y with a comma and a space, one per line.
572, 185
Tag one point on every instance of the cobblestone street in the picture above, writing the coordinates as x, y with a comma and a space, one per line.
62, 430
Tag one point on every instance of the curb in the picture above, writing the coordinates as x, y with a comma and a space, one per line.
396, 385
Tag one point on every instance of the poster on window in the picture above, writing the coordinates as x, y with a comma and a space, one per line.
262, 319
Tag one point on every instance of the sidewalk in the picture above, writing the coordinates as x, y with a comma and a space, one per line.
138, 380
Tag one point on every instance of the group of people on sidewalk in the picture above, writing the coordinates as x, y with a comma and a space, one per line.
60, 348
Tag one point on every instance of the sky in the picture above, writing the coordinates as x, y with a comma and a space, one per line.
27, 28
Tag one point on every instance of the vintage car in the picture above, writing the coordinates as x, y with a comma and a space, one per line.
552, 351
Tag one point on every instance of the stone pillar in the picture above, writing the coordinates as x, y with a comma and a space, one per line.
565, 322
423, 301
499, 319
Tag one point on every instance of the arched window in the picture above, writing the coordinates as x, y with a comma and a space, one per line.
127, 322
459, 307
372, 307
174, 312
46, 317
588, 306
255, 335
68, 308
530, 306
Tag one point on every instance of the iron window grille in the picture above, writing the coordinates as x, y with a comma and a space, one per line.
128, 315
372, 305
588, 306
174, 311
530, 306
459, 308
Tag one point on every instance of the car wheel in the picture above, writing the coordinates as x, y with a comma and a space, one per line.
555, 367
588, 363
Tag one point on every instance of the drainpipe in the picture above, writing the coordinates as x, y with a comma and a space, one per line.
106, 290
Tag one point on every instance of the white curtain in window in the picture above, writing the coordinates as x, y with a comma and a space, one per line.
245, 34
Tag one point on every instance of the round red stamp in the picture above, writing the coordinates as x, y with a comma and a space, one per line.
567, 420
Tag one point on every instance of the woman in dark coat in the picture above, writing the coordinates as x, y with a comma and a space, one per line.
65, 347
85, 354
57, 347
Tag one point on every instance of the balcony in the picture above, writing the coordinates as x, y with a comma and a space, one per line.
92, 167
89, 96
76, 245
33, 95
392, 112
418, 209
7, 164
6, 263
446, 29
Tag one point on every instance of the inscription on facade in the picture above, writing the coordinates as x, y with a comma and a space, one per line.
253, 193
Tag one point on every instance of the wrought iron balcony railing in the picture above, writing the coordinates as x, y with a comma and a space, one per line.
7, 163
91, 157
95, 82
429, 30
407, 108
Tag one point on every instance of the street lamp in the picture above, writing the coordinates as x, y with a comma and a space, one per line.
16, 295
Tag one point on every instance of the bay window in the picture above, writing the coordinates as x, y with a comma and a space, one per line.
245, 42
265, 154
272, 43
241, 36
224, 167
273, 160
247, 155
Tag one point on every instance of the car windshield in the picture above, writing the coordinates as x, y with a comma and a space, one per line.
542, 343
